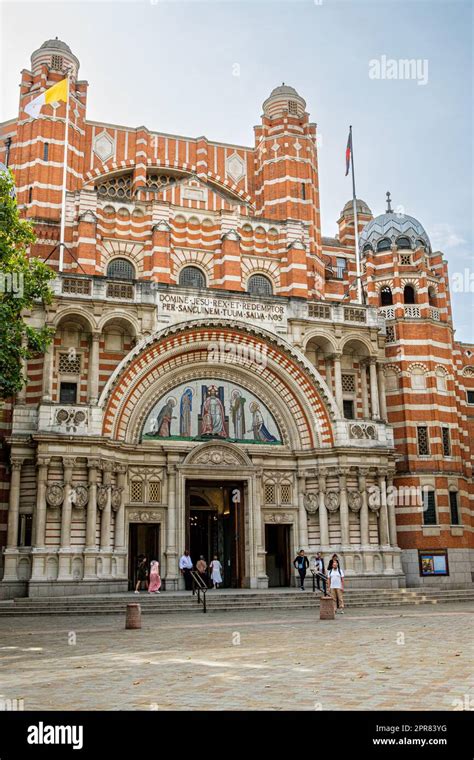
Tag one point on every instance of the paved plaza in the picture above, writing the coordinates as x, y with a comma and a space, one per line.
412, 659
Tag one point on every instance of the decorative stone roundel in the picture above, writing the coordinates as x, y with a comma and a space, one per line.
102, 493
116, 498
80, 496
332, 501
354, 499
54, 494
311, 504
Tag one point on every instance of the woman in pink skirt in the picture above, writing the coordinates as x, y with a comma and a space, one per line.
154, 584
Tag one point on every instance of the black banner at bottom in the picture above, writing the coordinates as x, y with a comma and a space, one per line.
427, 734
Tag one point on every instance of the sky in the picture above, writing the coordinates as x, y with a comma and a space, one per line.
205, 68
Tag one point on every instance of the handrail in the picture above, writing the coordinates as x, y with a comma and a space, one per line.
200, 587
317, 574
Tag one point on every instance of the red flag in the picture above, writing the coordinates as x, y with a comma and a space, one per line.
348, 151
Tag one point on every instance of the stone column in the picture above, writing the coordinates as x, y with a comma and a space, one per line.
172, 577
10, 557
365, 392
120, 513
323, 513
391, 499
262, 579
338, 383
328, 373
374, 391
39, 528
48, 362
364, 510
66, 514
105, 516
91, 521
383, 513
344, 510
302, 517
94, 356
381, 389
14, 503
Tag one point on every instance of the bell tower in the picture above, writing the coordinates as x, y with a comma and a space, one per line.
38, 150
286, 164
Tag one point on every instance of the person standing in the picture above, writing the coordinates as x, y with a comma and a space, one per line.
301, 563
336, 585
216, 571
319, 568
201, 567
185, 566
155, 580
142, 573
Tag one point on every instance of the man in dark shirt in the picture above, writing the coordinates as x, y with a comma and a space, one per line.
301, 563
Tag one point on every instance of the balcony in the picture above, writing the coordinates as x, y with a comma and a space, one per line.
412, 312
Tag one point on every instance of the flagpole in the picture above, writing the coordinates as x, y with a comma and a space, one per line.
356, 225
63, 196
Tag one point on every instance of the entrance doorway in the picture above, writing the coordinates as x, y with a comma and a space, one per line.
143, 539
277, 544
215, 525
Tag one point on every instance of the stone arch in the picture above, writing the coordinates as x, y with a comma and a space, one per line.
299, 398
121, 249
357, 339
203, 260
128, 321
218, 454
81, 314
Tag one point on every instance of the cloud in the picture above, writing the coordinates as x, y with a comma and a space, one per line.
443, 237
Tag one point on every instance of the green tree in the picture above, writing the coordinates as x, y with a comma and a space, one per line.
24, 284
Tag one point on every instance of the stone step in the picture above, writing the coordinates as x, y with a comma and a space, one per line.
220, 606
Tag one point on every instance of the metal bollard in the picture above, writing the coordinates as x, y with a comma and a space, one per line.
326, 608
133, 619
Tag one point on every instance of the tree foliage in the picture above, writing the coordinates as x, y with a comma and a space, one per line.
24, 285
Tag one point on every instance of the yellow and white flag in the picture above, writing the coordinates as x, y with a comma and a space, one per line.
57, 92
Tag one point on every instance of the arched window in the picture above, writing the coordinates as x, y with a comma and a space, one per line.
391, 380
121, 269
259, 285
409, 294
441, 379
418, 379
384, 244
432, 296
367, 247
403, 242
386, 298
192, 277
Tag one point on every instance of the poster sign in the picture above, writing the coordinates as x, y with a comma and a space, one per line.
433, 562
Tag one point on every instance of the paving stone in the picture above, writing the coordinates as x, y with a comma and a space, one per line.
285, 660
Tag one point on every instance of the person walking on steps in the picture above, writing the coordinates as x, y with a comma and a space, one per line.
216, 571
155, 580
142, 573
185, 567
301, 563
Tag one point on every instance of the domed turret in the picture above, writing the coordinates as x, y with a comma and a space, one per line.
284, 101
362, 208
57, 56
393, 228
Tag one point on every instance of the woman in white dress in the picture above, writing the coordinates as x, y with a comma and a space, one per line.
216, 571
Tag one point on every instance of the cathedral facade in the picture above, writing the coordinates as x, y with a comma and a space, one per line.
214, 383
